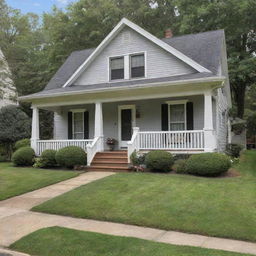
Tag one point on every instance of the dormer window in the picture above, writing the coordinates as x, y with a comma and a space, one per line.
137, 66
117, 68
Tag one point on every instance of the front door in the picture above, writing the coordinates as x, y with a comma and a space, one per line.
126, 122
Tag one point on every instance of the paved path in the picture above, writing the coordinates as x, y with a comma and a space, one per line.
17, 221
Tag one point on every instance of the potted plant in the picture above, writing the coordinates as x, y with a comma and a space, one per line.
111, 142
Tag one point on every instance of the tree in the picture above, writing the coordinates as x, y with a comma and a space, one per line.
239, 21
14, 125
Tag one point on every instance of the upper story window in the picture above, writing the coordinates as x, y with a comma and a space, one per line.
137, 66
117, 68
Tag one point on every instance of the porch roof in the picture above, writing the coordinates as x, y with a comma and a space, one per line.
84, 89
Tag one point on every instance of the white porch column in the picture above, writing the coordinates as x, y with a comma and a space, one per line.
209, 136
98, 127
35, 128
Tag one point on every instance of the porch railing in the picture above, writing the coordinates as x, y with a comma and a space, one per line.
42, 145
166, 140
93, 148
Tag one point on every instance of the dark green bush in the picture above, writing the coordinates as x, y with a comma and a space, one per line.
180, 166
23, 156
71, 156
3, 158
137, 158
234, 149
48, 158
22, 143
208, 164
160, 161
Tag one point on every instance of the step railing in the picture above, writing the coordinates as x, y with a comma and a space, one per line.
42, 145
96, 146
133, 144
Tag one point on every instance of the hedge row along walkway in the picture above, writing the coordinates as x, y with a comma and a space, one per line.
17, 221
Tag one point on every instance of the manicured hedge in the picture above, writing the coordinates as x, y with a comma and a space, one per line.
22, 143
208, 164
180, 166
160, 161
71, 156
48, 158
23, 156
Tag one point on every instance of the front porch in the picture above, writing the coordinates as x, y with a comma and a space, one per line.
140, 125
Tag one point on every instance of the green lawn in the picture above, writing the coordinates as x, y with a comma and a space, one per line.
222, 207
68, 242
16, 180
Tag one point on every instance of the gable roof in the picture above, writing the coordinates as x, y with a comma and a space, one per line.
125, 22
204, 48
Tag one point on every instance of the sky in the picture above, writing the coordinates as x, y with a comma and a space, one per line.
37, 6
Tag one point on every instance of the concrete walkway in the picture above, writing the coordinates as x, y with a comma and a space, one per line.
17, 221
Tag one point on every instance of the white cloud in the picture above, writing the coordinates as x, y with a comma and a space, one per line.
36, 4
63, 2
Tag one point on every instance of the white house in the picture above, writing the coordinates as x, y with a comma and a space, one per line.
7, 89
147, 93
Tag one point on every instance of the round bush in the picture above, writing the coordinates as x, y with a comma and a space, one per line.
48, 158
22, 143
137, 158
160, 161
23, 156
208, 164
71, 156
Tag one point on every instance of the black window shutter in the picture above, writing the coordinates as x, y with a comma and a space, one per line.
164, 117
190, 116
70, 126
86, 125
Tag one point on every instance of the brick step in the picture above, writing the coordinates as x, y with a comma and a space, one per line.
112, 153
107, 168
110, 160
110, 164
114, 158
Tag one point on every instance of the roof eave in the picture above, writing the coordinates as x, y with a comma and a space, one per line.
213, 79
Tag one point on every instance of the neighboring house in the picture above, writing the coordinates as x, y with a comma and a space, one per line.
147, 93
7, 89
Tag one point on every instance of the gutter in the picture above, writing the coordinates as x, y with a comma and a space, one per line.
120, 88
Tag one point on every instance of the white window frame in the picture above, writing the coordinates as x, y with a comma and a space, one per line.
73, 120
177, 102
127, 66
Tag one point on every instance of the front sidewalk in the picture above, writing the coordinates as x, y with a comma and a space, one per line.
17, 221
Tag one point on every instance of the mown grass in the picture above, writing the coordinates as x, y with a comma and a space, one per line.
16, 180
67, 242
221, 207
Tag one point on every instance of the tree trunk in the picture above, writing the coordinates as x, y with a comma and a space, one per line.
239, 95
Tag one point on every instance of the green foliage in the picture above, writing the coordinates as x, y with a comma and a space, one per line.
3, 158
48, 158
161, 161
208, 164
251, 125
137, 158
71, 156
23, 157
234, 150
180, 166
14, 125
238, 128
22, 143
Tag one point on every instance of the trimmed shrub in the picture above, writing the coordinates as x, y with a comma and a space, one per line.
71, 156
234, 149
208, 164
22, 143
180, 166
137, 158
23, 156
48, 158
160, 161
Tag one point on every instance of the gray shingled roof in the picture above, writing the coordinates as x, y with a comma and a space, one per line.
204, 48
126, 84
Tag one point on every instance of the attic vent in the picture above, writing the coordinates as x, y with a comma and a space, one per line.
126, 37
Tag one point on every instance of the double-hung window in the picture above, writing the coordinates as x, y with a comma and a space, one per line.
117, 68
137, 65
177, 115
78, 125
